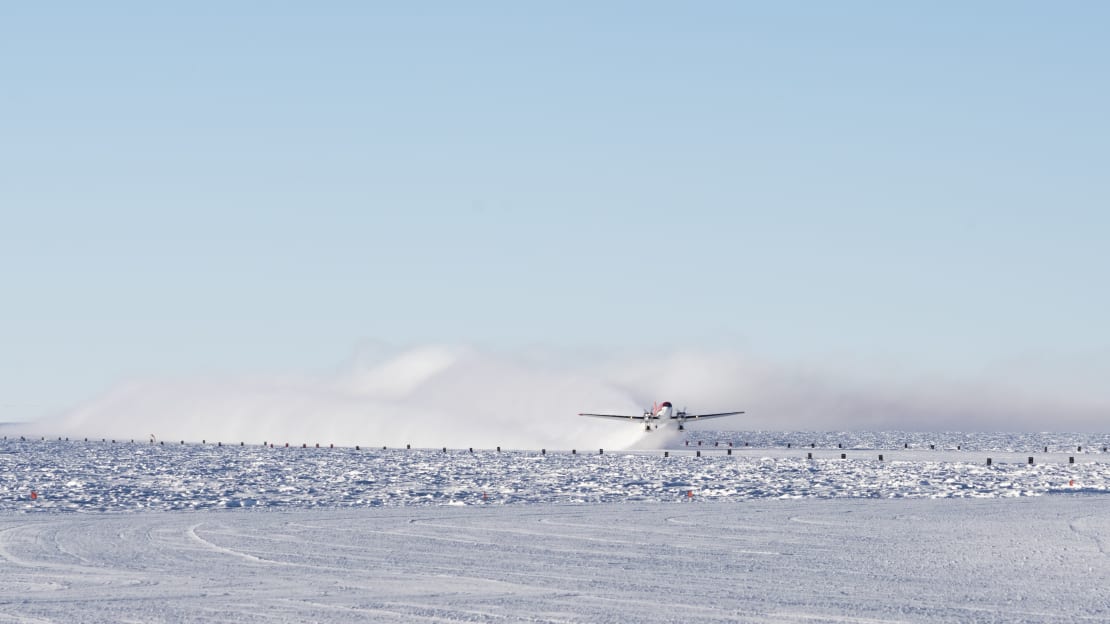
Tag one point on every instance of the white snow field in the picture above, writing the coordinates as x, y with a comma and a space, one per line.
139, 532
838, 560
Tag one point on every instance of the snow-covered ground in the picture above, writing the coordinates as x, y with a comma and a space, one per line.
149, 532
123, 475
1039, 559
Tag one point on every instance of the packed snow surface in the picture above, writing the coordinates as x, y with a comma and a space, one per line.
1039, 559
777, 527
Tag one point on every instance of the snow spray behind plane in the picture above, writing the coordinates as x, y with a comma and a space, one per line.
427, 397
449, 396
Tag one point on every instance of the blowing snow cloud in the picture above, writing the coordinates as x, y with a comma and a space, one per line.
460, 397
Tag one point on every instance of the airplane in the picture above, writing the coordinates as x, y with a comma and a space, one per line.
665, 412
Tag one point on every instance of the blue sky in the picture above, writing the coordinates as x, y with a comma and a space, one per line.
209, 189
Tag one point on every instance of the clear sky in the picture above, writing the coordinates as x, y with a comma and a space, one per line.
250, 187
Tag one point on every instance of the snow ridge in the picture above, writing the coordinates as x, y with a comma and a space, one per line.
125, 476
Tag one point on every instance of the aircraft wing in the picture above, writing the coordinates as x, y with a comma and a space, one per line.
618, 416
701, 416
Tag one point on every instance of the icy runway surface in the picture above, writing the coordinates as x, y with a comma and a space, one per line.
1042, 559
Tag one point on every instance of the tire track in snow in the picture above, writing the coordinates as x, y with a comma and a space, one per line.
5, 541
191, 532
1072, 524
